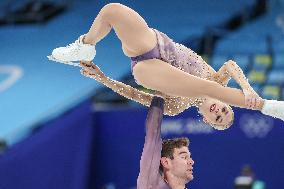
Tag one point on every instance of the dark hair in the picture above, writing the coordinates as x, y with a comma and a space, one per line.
169, 145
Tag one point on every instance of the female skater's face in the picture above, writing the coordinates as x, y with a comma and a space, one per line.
216, 113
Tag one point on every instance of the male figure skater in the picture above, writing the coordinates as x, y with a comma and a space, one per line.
164, 164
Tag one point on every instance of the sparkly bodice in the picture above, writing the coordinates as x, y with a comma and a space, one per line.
176, 105
183, 57
186, 60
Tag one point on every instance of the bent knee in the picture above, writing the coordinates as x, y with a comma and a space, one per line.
112, 10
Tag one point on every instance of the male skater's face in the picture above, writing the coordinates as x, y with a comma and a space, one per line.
182, 164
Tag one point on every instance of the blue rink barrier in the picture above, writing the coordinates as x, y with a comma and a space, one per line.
254, 139
101, 150
57, 156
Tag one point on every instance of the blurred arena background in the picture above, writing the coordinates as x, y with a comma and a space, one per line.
60, 130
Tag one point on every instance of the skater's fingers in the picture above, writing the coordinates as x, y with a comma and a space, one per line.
91, 67
258, 102
85, 64
83, 72
250, 102
247, 101
254, 102
87, 73
95, 67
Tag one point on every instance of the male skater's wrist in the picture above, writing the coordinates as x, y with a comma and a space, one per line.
158, 102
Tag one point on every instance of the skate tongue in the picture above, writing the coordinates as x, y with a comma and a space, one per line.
76, 64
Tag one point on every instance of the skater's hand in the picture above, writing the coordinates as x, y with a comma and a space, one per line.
252, 99
89, 69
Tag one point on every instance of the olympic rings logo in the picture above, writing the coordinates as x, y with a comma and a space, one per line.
255, 125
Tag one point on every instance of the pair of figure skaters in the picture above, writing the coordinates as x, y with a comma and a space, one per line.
181, 78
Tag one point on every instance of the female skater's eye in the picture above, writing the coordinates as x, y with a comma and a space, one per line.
225, 109
218, 117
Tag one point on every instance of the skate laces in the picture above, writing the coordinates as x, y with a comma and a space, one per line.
76, 43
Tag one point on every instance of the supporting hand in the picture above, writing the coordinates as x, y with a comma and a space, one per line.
90, 69
252, 99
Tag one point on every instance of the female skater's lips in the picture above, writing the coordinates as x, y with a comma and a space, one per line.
212, 107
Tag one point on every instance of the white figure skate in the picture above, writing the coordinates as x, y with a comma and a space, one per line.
73, 53
273, 108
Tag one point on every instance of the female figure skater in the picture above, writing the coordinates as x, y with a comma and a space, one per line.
175, 71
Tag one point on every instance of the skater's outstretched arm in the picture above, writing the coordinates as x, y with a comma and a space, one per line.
229, 70
151, 155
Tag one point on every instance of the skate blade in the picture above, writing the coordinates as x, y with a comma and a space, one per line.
76, 64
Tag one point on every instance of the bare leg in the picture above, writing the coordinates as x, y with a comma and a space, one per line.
158, 75
135, 35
